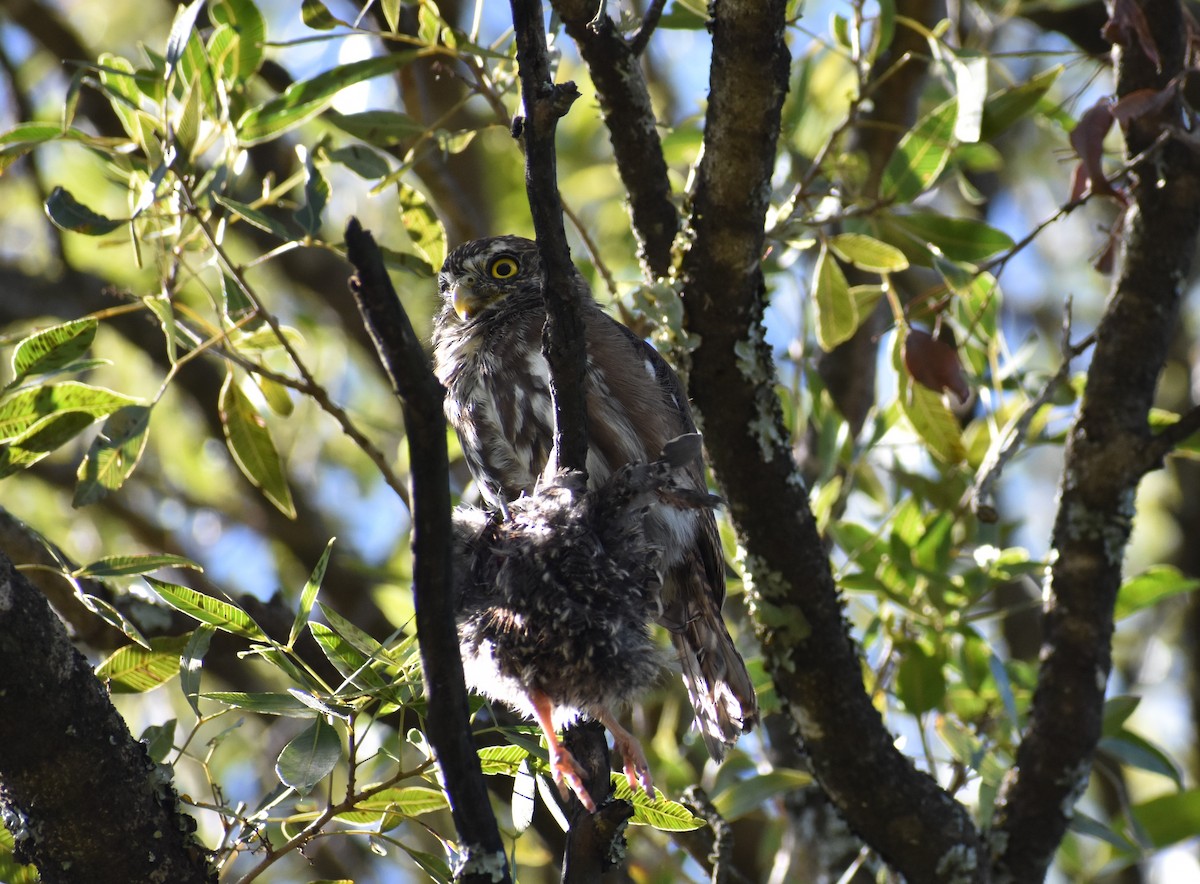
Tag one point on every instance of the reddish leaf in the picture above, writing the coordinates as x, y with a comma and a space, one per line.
1087, 138
1127, 26
933, 362
1143, 103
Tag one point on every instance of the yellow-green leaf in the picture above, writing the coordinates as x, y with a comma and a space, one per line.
113, 454
53, 348
837, 313
250, 442
868, 253
920, 156
659, 812
131, 566
304, 99
134, 669
223, 615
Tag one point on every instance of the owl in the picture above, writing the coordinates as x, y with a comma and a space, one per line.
487, 353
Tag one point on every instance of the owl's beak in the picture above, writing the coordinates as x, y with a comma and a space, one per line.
466, 301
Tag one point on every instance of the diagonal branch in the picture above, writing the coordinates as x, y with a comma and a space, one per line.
900, 811
421, 395
1105, 460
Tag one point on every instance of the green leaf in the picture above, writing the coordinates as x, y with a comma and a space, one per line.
364, 643
309, 594
318, 17
191, 664
223, 615
353, 666
23, 138
927, 412
391, 14
253, 216
1147, 589
837, 311
113, 454
316, 196
920, 156
1006, 107
392, 805
1171, 818
249, 441
920, 679
659, 812
1137, 751
361, 160
25, 413
159, 740
1117, 711
284, 704
868, 253
934, 422
423, 226
309, 757
245, 19
53, 348
381, 128
67, 213
959, 239
129, 566
134, 669
305, 99
746, 796
1093, 828
503, 760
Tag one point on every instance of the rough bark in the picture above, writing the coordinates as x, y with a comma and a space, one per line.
919, 829
82, 798
632, 129
1109, 449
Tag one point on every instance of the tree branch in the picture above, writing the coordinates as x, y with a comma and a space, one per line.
1105, 460
447, 720
59, 731
921, 830
544, 102
632, 127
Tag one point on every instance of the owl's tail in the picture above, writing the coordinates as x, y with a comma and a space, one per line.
715, 675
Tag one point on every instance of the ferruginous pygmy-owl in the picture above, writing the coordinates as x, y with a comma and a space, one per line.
487, 352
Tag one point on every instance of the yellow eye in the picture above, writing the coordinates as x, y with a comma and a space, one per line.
503, 267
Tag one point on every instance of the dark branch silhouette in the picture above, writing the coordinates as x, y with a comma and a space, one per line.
448, 722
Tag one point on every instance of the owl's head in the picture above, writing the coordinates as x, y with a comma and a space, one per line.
483, 272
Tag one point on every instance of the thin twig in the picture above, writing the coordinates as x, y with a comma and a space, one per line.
983, 491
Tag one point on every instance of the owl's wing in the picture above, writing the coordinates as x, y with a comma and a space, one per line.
718, 684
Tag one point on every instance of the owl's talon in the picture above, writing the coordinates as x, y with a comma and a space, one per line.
637, 769
568, 773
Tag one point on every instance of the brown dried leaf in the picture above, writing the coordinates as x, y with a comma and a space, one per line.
933, 362
1127, 26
